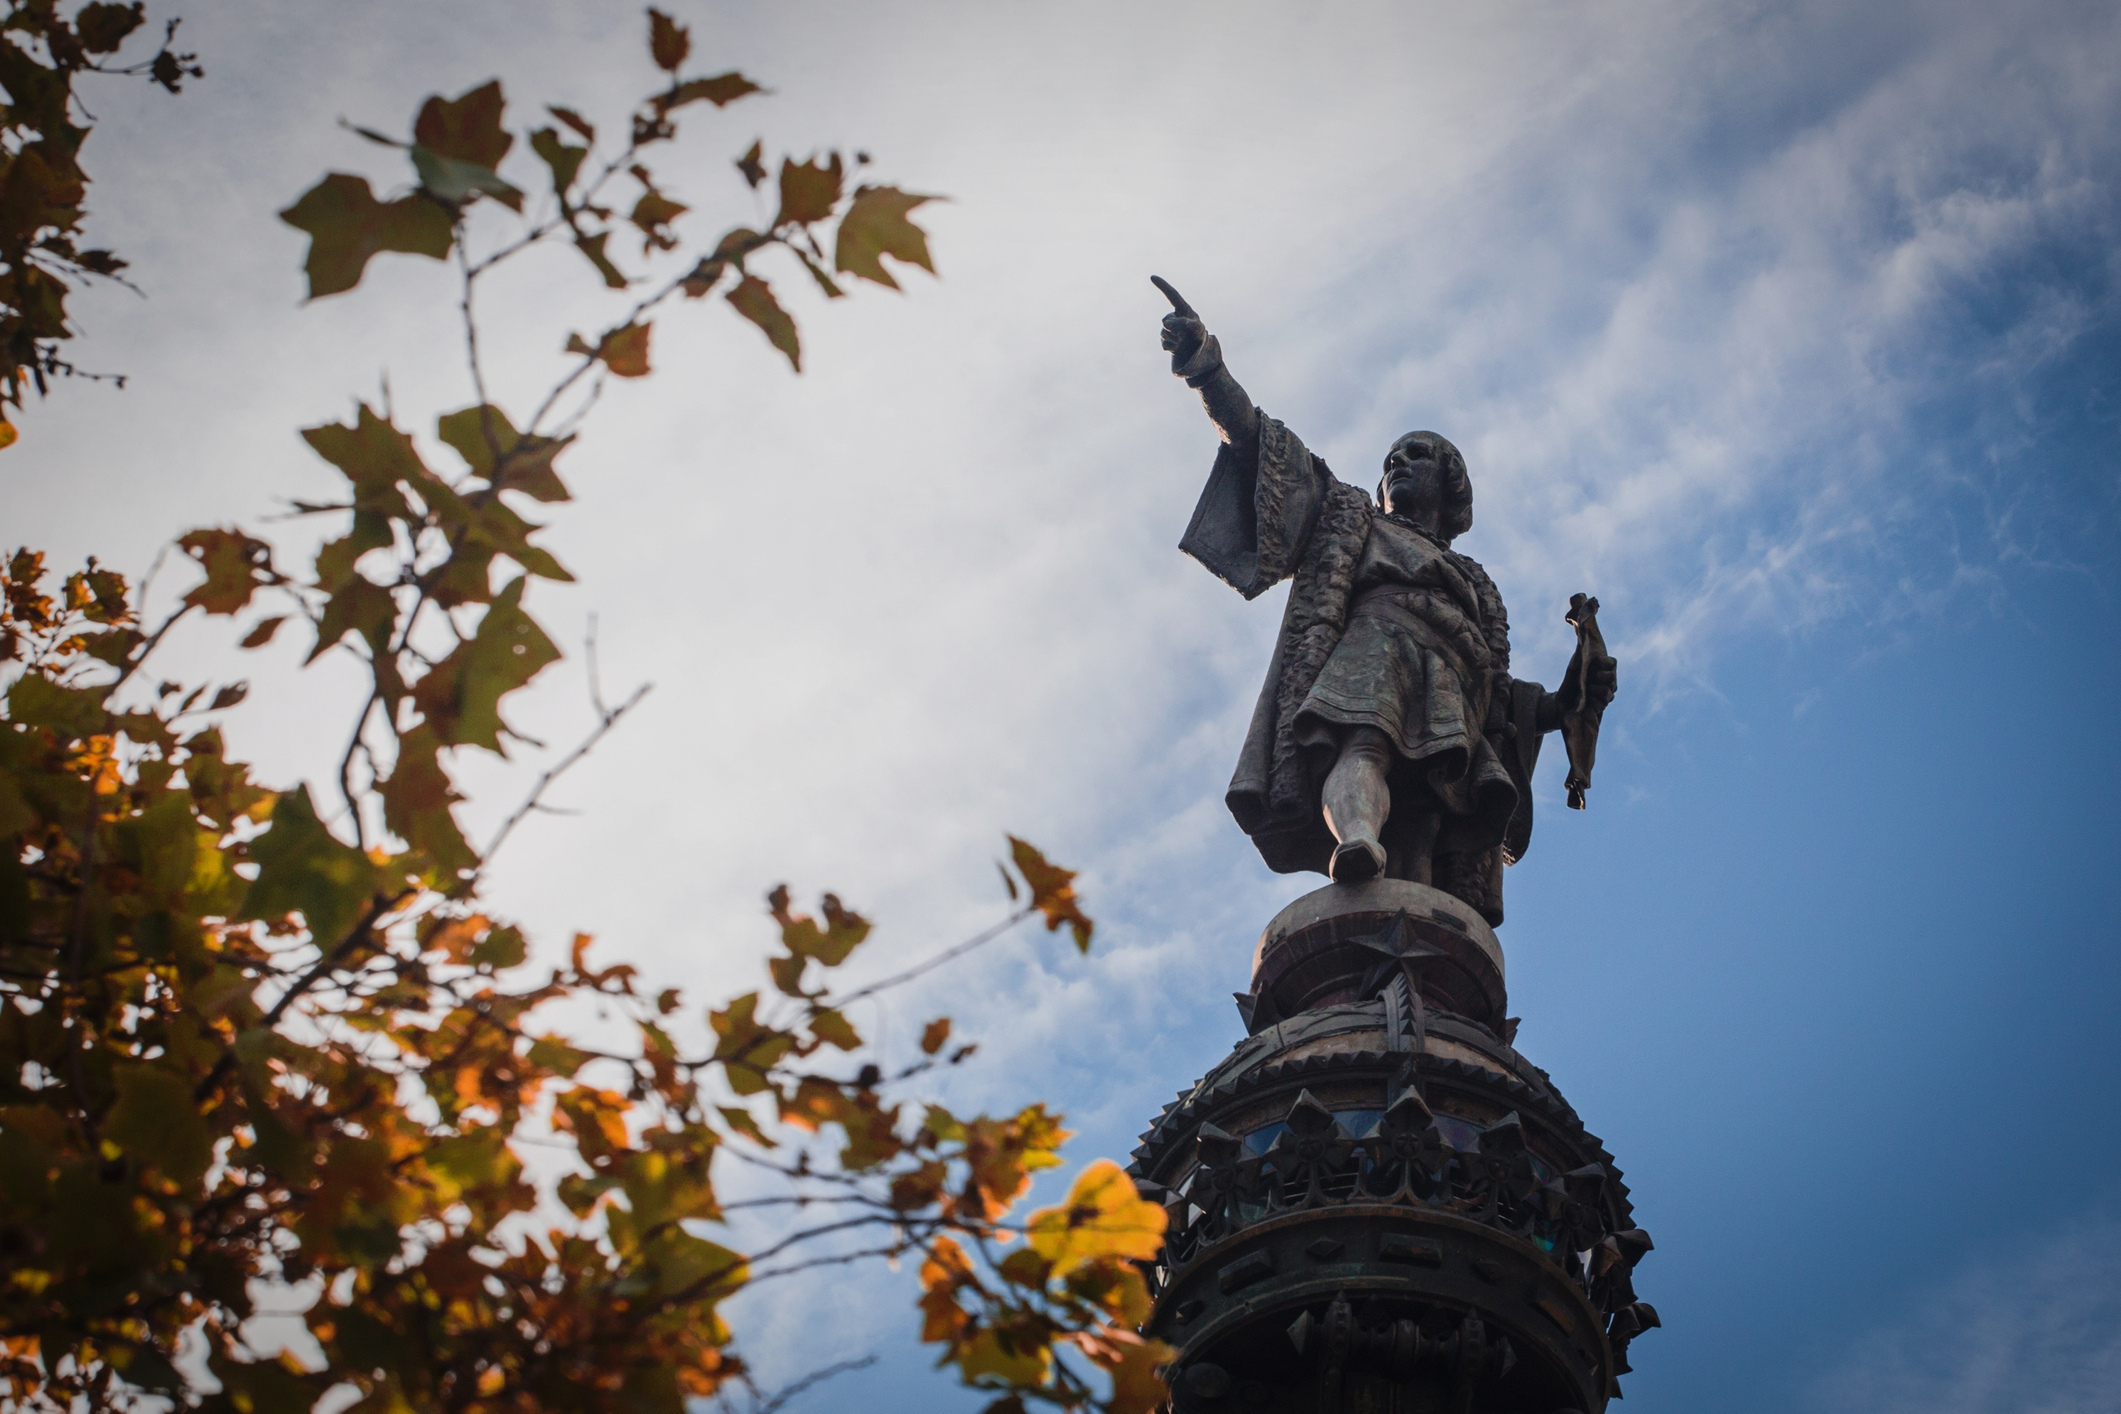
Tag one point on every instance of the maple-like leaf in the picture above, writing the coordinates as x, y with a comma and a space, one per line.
876, 226
347, 226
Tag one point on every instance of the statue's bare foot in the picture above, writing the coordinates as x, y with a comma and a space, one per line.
1356, 862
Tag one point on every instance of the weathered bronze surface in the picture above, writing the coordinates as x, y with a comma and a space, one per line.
1390, 738
1376, 1204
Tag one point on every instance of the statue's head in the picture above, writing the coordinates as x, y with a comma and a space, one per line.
1425, 474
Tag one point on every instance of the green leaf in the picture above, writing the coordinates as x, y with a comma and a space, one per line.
478, 434
417, 800
461, 696
809, 191
359, 605
347, 225
453, 181
753, 298
337, 558
834, 1029
303, 869
156, 1122
466, 128
876, 226
563, 158
35, 700
375, 457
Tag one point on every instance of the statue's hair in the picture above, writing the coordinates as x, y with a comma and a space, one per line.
1457, 514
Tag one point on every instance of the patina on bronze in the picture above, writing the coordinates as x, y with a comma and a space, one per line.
1375, 1203
1390, 738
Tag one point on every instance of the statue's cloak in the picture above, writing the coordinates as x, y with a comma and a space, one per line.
1286, 516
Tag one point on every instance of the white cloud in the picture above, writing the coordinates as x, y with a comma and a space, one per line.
2030, 1332
1677, 277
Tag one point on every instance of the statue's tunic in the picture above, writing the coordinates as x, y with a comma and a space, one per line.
1384, 628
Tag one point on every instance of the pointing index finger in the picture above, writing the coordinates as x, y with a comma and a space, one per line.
1178, 301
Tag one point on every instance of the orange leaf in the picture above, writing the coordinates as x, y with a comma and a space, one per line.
1052, 892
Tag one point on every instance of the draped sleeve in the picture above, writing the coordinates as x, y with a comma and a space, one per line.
1255, 518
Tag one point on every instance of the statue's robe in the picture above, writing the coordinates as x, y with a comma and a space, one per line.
1384, 628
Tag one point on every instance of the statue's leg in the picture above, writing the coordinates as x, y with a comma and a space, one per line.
1358, 797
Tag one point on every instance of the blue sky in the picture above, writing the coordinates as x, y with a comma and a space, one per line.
1791, 331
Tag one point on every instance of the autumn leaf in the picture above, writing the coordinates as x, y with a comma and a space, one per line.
1052, 892
935, 1036
592, 248
303, 869
1102, 1218
575, 121
668, 41
753, 299
721, 90
155, 1121
876, 226
461, 695
809, 191
563, 158
359, 605
347, 225
261, 633
236, 566
466, 128
833, 1029
753, 169
842, 932
490, 445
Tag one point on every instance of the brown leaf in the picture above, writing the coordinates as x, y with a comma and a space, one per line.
229, 696
668, 41
753, 169
261, 635
235, 564
592, 247
466, 128
936, 1035
1052, 892
625, 351
347, 225
876, 226
753, 299
809, 191
576, 121
721, 90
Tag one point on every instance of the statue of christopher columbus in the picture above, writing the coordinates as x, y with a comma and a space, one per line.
1390, 738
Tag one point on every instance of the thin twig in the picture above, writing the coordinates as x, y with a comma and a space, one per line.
812, 1380
531, 802
978, 940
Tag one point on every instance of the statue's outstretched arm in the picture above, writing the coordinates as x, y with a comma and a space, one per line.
1197, 357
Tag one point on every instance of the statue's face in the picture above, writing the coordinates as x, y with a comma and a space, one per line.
1413, 479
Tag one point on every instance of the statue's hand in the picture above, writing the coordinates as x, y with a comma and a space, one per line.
1184, 334
1602, 680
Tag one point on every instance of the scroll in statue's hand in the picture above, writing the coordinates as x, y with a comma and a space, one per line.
1183, 331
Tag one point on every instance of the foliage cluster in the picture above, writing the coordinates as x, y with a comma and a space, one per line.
254, 1043
42, 185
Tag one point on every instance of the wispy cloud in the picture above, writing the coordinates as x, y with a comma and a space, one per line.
2032, 1332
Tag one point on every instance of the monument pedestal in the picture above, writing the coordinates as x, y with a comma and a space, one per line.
1376, 1204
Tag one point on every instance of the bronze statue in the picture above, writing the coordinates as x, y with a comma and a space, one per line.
1390, 738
